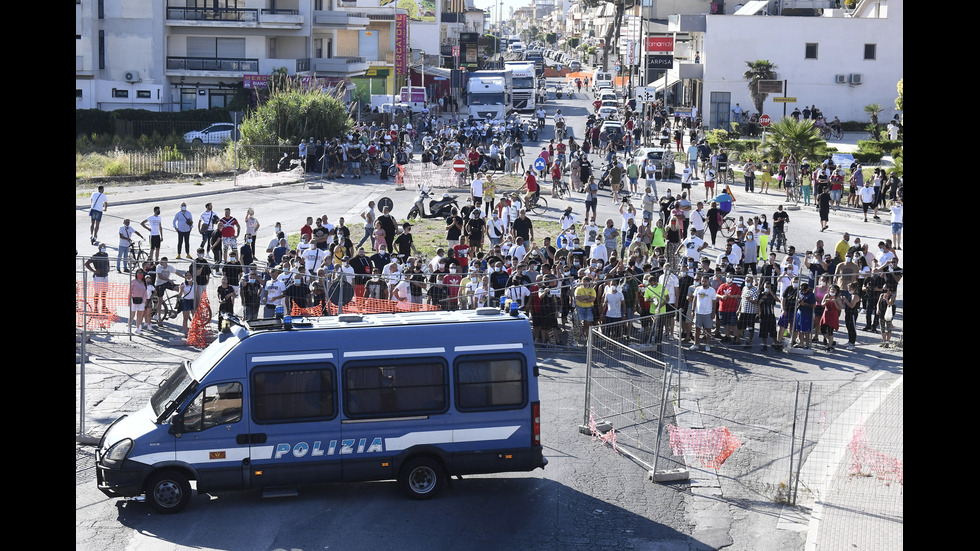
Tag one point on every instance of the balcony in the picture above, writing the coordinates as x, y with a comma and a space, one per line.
234, 17
340, 20
338, 66
216, 66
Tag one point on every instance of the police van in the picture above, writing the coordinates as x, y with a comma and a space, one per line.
274, 404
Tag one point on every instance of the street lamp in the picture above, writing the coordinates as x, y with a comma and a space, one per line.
425, 96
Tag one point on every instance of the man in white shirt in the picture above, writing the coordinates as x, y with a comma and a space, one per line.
897, 210
698, 218
703, 305
99, 206
313, 259
692, 246
599, 251
476, 190
154, 225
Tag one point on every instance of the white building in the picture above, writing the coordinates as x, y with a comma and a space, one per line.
839, 60
177, 55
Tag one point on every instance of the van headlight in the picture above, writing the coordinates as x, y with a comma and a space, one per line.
117, 453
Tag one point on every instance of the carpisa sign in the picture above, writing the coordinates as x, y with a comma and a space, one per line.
660, 62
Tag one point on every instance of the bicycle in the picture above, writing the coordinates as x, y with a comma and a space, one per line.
829, 132
562, 190
728, 227
137, 256
169, 306
537, 205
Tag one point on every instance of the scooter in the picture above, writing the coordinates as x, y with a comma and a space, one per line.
558, 92
437, 209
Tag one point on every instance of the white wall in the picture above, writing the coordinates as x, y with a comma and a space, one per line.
730, 41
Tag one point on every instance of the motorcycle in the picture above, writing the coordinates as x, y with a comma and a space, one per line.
437, 209
558, 92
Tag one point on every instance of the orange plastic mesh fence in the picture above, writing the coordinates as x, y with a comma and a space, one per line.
96, 305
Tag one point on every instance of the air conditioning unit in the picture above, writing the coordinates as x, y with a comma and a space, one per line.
855, 78
841, 79
131, 76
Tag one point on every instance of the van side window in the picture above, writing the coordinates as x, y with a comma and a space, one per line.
490, 383
395, 388
218, 404
293, 394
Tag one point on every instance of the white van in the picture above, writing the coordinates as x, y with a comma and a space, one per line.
602, 79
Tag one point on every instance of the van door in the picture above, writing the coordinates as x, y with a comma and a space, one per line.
211, 422
295, 434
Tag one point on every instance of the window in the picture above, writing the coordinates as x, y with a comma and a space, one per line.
78, 93
490, 383
294, 394
143, 94
188, 99
219, 404
811, 50
220, 98
117, 93
870, 51
395, 388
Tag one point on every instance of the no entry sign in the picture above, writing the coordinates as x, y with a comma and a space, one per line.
459, 165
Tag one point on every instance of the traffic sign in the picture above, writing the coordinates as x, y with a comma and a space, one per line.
459, 165
764, 120
539, 164
784, 99
386, 203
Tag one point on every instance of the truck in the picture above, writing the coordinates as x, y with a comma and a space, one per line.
279, 403
414, 96
525, 84
489, 94
536, 57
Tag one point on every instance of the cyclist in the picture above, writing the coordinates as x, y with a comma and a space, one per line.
541, 115
835, 124
531, 187
725, 202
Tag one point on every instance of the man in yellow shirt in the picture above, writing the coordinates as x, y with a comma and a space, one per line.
584, 300
843, 246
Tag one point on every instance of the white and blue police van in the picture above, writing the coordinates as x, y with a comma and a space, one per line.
276, 404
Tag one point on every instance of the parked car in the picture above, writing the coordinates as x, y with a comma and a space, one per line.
657, 154
215, 134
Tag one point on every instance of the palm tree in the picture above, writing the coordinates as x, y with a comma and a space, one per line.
760, 69
792, 138
873, 111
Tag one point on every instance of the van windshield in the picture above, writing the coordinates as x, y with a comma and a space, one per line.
183, 376
170, 390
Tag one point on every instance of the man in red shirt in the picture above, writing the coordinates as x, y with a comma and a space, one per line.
229, 234
531, 184
307, 230
474, 158
729, 295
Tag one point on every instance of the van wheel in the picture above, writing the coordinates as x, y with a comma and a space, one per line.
422, 477
168, 492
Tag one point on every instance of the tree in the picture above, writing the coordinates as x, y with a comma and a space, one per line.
612, 31
791, 137
873, 110
900, 100
294, 111
761, 69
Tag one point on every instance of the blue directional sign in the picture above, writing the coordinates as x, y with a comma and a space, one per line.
539, 164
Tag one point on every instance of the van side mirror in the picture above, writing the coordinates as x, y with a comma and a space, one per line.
176, 424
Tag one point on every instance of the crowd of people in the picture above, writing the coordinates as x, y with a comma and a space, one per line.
758, 290
654, 261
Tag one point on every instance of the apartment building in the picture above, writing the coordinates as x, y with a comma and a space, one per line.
177, 55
